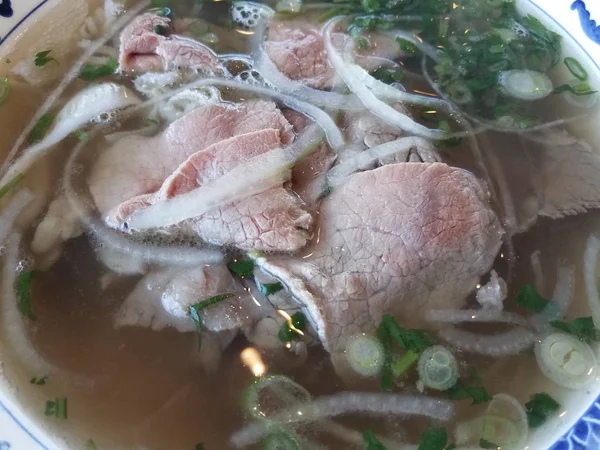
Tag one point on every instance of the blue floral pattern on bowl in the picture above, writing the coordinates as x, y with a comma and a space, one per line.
14, 434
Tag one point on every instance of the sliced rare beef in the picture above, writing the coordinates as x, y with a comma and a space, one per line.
148, 46
399, 239
270, 221
137, 165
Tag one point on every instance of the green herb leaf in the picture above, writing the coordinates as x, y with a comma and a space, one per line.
415, 340
40, 129
539, 408
91, 72
196, 308
407, 46
24, 294
582, 328
387, 376
288, 332
435, 438
461, 392
39, 381
43, 58
4, 89
199, 447
11, 184
371, 442
242, 267
578, 89
57, 408
90, 445
81, 135
159, 3
487, 444
530, 299
270, 288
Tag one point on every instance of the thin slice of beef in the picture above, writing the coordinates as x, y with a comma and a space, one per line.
270, 221
138, 165
148, 46
399, 239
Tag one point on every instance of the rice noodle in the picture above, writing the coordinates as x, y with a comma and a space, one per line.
71, 75
474, 316
501, 344
590, 263
164, 255
263, 172
15, 207
345, 403
324, 99
385, 112
561, 298
538, 272
365, 159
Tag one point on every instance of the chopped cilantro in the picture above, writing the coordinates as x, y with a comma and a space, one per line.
11, 184
43, 58
57, 408
91, 72
434, 438
582, 328
415, 340
41, 128
487, 444
90, 445
270, 288
539, 407
24, 294
81, 135
242, 267
389, 75
530, 299
4, 89
371, 442
289, 331
460, 391
39, 381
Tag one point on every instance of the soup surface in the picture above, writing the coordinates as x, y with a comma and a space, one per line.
298, 225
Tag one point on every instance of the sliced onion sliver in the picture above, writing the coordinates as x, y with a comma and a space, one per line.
590, 263
525, 84
561, 299
349, 402
566, 360
324, 99
474, 316
365, 159
501, 344
263, 172
10, 213
385, 112
391, 94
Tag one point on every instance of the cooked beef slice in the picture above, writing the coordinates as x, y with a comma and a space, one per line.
137, 165
270, 221
148, 46
399, 239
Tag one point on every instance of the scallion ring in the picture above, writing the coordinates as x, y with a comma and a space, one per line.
438, 368
576, 68
283, 389
365, 354
459, 93
525, 84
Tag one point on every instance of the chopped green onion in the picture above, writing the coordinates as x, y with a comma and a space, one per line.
504, 423
91, 72
371, 442
575, 89
403, 363
365, 354
4, 89
41, 128
459, 93
293, 327
582, 328
11, 184
41, 58
407, 46
57, 408
39, 381
24, 294
438, 368
270, 288
539, 407
525, 84
530, 299
81, 135
566, 360
434, 438
243, 268
284, 389
280, 441
461, 392
576, 68
90, 445
195, 309
210, 39
387, 375
159, 3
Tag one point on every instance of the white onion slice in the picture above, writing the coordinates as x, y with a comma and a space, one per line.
525, 84
561, 299
590, 262
324, 99
11, 212
385, 112
501, 344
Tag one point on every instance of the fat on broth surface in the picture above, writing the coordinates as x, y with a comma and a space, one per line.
134, 387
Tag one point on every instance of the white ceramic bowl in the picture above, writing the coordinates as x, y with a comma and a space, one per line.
577, 427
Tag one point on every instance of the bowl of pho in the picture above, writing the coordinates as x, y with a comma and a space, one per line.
299, 224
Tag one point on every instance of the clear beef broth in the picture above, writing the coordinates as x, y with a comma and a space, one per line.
140, 388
